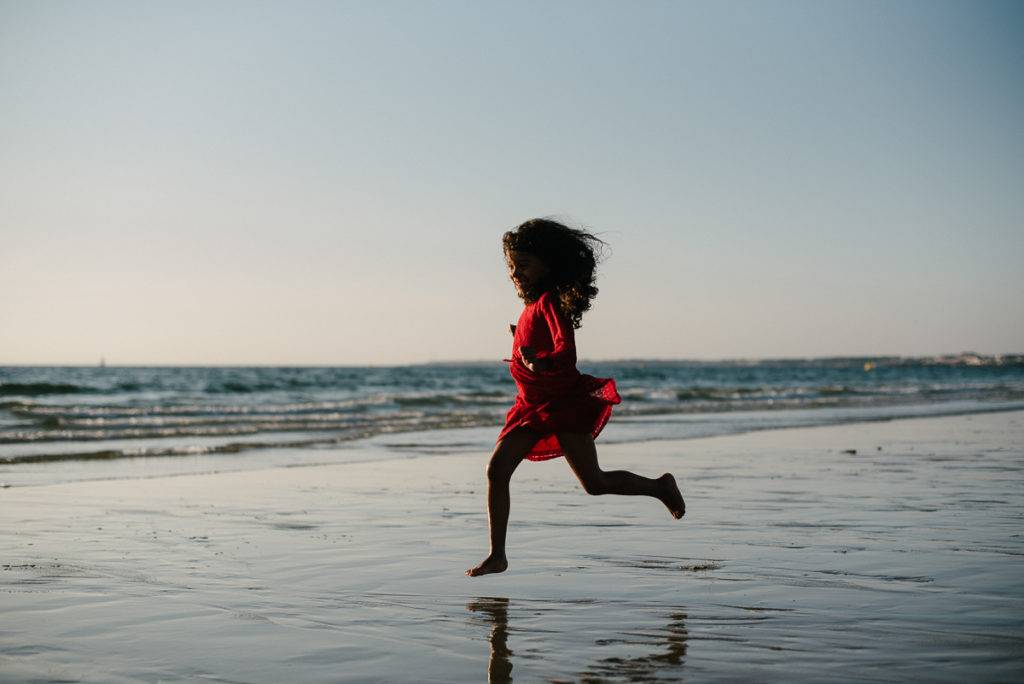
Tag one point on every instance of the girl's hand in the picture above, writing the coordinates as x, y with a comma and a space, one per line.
530, 360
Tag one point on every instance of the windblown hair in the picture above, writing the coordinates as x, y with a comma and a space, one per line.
571, 256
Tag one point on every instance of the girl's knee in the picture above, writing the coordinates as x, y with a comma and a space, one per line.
495, 471
595, 486
499, 468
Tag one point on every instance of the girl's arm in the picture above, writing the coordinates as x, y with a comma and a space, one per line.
563, 355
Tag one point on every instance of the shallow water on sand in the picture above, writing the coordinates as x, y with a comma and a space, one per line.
110, 417
797, 561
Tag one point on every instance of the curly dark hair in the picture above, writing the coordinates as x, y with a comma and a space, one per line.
571, 255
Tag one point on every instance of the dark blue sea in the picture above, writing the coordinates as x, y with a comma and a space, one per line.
60, 423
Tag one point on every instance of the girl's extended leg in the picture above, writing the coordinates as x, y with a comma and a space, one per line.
582, 456
507, 456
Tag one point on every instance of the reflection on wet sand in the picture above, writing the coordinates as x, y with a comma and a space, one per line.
665, 660
499, 665
669, 655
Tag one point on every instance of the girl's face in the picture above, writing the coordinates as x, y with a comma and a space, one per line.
527, 273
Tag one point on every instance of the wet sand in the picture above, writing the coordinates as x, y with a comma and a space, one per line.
796, 561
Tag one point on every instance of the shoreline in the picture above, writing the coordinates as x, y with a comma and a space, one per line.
796, 560
314, 449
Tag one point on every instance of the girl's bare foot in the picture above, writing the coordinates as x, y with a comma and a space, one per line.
671, 497
489, 565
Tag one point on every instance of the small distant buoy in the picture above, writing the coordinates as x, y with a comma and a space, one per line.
869, 366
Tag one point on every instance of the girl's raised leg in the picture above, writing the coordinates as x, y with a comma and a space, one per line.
507, 456
582, 457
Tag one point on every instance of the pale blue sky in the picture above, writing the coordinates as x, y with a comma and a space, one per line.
327, 182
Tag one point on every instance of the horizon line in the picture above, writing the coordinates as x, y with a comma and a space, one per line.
477, 362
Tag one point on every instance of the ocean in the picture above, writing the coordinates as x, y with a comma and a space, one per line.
70, 423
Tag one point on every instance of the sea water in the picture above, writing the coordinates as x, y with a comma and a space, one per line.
61, 423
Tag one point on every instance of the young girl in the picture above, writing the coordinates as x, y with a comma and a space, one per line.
558, 411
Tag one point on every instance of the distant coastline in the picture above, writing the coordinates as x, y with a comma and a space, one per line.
953, 359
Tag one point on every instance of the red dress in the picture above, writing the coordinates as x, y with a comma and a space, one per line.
560, 399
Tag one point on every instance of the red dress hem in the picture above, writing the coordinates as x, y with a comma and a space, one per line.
590, 418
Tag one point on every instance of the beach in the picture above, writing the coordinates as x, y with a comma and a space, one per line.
874, 551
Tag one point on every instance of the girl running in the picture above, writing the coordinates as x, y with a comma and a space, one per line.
558, 410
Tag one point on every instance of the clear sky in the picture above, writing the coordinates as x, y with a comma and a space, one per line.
327, 182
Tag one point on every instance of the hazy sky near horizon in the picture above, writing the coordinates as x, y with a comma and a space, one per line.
327, 182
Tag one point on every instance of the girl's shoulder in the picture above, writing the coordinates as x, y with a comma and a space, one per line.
549, 303
548, 298
546, 301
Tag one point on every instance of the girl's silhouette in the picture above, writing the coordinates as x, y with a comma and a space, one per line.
558, 410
